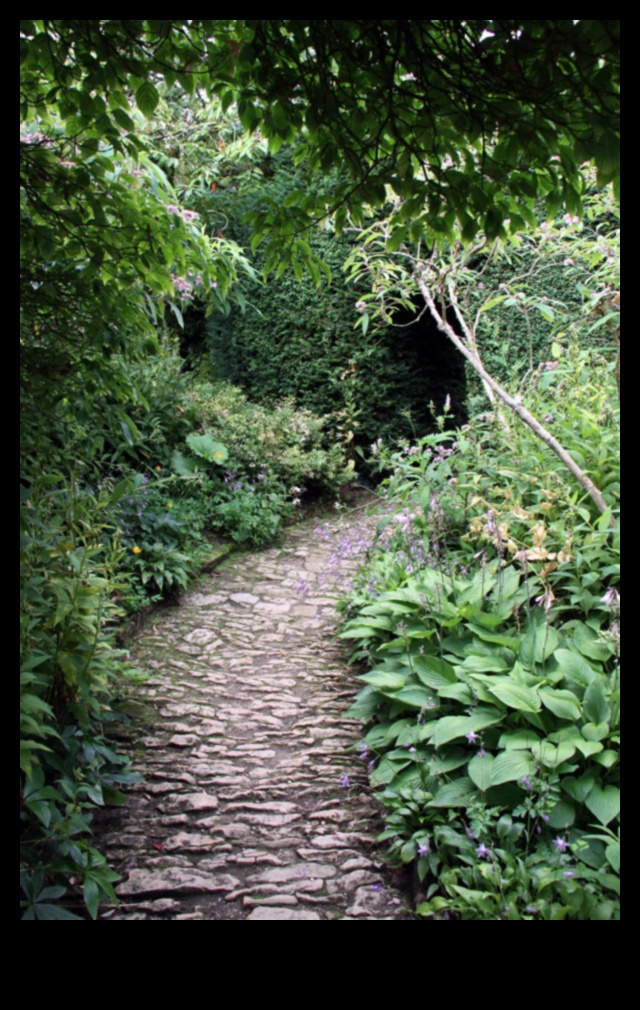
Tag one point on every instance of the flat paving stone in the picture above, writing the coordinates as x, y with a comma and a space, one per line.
281, 913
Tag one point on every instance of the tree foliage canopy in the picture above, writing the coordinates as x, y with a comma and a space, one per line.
469, 121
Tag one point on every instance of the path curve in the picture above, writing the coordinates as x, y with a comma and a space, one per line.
254, 805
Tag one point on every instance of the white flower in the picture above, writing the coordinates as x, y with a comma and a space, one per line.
612, 599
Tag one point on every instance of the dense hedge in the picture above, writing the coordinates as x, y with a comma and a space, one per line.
299, 341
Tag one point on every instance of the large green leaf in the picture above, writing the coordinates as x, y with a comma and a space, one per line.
387, 770
551, 755
522, 739
384, 680
454, 794
596, 731
564, 704
608, 758
538, 643
512, 766
434, 672
447, 761
589, 748
493, 638
208, 448
613, 855
457, 692
493, 663
479, 771
414, 697
574, 667
452, 727
562, 815
147, 98
580, 788
182, 465
595, 703
523, 699
589, 644
604, 803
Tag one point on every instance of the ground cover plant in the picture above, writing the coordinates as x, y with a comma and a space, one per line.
488, 620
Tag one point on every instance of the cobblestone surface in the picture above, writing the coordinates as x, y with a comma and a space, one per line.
254, 805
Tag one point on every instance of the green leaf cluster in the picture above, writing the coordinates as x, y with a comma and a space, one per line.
489, 626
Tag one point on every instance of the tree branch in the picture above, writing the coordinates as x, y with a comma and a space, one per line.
511, 401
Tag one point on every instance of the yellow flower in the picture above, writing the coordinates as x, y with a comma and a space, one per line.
137, 550
169, 504
218, 455
158, 468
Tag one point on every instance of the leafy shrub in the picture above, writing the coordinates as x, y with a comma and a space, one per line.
488, 616
68, 665
284, 443
252, 465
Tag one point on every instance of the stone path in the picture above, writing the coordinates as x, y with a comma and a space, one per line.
253, 806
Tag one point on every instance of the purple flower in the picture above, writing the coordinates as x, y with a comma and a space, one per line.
423, 849
469, 833
568, 874
377, 887
483, 851
344, 781
561, 844
472, 737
